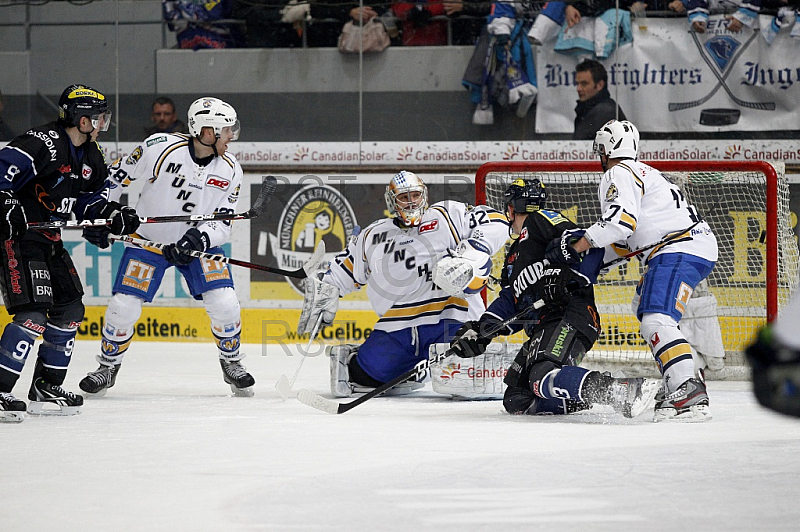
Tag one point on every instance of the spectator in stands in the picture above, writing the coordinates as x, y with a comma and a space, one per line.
466, 20
745, 15
417, 27
5, 131
281, 24
164, 118
196, 24
595, 105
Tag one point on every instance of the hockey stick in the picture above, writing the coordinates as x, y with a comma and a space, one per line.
768, 106
265, 194
314, 400
721, 79
663, 241
283, 385
300, 273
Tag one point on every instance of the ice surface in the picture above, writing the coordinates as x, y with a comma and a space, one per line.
170, 449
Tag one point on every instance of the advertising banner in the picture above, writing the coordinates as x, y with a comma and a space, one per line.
670, 79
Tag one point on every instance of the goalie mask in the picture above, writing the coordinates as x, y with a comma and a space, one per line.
525, 195
79, 100
213, 113
407, 198
617, 140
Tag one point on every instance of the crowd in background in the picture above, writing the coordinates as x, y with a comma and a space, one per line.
318, 23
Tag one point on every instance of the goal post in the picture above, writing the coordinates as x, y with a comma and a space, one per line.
746, 203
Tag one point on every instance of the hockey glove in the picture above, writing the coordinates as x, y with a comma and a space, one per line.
319, 299
193, 240
473, 337
555, 285
124, 219
97, 236
560, 250
13, 222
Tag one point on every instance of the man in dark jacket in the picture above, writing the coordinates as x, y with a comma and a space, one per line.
595, 105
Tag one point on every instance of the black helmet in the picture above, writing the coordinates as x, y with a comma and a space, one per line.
526, 195
79, 100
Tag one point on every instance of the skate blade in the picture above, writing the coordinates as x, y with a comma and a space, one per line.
646, 400
242, 392
99, 393
694, 414
12, 416
37, 408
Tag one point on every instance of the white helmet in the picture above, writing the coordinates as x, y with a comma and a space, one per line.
617, 140
410, 212
213, 113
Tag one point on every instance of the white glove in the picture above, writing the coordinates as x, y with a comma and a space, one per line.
501, 26
294, 12
521, 91
319, 298
466, 271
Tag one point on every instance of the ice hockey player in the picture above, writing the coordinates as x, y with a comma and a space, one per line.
775, 359
50, 172
183, 174
395, 258
641, 207
545, 377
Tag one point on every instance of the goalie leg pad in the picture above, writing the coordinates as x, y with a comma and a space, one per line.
480, 377
340, 373
222, 307
672, 352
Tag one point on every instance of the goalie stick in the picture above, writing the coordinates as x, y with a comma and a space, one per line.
314, 400
283, 385
268, 186
299, 273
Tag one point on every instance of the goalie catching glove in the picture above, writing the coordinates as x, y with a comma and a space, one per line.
466, 271
473, 337
319, 299
560, 250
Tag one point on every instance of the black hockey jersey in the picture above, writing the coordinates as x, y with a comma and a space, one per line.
51, 177
522, 271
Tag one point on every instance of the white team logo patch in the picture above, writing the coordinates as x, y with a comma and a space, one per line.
86, 171
523, 235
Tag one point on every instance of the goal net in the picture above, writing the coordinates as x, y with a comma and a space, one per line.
746, 203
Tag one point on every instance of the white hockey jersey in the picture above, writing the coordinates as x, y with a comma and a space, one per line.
176, 185
397, 263
641, 207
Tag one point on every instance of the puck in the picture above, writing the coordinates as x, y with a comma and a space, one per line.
763, 237
719, 117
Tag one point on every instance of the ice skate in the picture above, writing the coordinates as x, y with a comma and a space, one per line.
100, 380
633, 396
12, 410
42, 394
689, 403
236, 375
